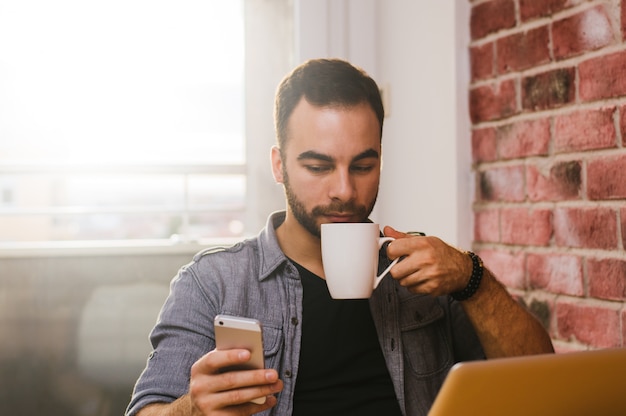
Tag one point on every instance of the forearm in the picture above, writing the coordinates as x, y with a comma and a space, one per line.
504, 327
180, 407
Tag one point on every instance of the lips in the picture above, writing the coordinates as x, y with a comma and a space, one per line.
341, 212
341, 217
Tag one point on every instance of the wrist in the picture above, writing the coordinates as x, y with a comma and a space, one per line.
474, 281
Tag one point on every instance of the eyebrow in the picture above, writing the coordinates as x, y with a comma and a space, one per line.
312, 154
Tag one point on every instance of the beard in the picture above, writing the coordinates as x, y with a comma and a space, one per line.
309, 220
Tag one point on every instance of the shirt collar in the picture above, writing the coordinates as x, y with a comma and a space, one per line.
271, 256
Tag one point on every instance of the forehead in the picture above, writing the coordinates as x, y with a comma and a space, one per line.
333, 128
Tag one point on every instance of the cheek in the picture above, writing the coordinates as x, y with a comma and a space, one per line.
369, 186
311, 189
303, 183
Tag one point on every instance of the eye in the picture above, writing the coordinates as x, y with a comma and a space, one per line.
318, 168
362, 168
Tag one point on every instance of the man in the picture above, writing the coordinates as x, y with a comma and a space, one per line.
380, 356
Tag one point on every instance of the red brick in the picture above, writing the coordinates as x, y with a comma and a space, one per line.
596, 326
502, 184
559, 274
525, 138
593, 227
523, 50
531, 9
557, 182
606, 177
550, 89
481, 58
507, 267
585, 31
491, 16
602, 77
623, 222
585, 130
623, 20
523, 226
607, 278
484, 142
492, 102
622, 122
487, 225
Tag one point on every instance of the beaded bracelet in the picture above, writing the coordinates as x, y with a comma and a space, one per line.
474, 281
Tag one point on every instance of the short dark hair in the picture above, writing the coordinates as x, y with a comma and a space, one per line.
324, 82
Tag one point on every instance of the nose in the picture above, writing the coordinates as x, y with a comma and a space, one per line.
342, 186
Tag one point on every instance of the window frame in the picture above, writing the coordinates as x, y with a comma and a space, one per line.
268, 27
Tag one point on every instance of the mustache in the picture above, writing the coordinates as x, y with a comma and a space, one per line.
349, 208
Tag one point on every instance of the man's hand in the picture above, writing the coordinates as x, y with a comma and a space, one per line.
214, 393
429, 265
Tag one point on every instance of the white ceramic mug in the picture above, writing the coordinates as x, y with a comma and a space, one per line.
350, 259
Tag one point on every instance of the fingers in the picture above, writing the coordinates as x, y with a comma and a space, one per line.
406, 245
214, 392
212, 362
247, 408
205, 398
428, 266
420, 283
392, 232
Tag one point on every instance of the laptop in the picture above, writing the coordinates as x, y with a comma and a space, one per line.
586, 383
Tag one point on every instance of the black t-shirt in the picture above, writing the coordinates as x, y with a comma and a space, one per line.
342, 370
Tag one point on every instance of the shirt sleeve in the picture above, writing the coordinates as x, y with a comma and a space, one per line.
183, 333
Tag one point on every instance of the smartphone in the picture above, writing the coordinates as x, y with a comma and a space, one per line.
246, 333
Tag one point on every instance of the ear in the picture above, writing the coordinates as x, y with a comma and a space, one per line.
277, 164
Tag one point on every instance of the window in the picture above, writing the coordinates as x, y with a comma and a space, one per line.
124, 119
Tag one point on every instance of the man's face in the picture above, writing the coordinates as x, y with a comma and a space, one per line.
331, 165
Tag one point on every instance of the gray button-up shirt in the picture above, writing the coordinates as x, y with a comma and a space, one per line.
421, 336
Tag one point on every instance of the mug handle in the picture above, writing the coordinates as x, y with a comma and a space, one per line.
381, 241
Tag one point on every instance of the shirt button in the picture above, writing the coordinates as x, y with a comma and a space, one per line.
288, 373
294, 320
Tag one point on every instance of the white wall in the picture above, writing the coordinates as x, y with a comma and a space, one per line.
413, 50
269, 40
337, 28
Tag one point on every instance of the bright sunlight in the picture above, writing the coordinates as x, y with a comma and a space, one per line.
121, 81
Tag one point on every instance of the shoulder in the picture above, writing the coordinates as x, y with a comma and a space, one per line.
224, 262
241, 248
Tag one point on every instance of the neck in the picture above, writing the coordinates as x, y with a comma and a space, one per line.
300, 245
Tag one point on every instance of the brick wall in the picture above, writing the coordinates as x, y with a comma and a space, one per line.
548, 109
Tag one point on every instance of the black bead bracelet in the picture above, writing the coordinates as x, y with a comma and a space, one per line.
474, 281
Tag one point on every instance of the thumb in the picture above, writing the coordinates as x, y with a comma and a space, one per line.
392, 232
